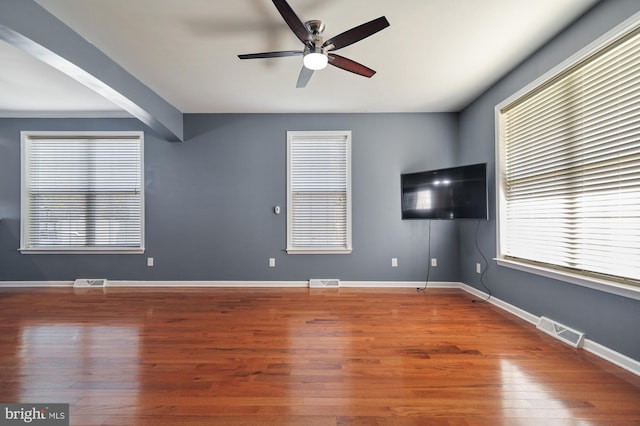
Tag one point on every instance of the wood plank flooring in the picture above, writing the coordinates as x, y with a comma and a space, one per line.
297, 357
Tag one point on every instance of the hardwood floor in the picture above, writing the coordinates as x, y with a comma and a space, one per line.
297, 357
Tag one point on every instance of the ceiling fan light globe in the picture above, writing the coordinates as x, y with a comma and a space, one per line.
315, 61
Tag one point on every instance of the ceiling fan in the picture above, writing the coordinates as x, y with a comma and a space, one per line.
317, 52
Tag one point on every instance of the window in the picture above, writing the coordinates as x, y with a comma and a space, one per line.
82, 192
569, 169
319, 192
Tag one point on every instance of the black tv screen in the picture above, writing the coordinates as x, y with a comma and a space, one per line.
452, 193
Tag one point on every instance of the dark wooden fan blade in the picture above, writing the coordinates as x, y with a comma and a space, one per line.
271, 54
292, 20
304, 77
350, 65
356, 34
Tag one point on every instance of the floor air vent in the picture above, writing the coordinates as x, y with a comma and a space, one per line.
87, 283
559, 331
316, 283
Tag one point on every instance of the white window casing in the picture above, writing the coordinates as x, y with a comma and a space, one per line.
568, 169
319, 192
82, 192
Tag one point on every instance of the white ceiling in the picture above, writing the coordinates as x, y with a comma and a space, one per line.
437, 55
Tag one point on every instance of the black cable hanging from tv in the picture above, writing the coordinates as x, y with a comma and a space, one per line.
486, 265
426, 283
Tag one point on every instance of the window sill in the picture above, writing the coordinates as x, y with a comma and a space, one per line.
81, 251
619, 289
318, 251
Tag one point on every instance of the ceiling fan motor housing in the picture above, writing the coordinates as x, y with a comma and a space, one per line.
315, 26
315, 55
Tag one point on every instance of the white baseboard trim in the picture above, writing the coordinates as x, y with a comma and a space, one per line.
236, 284
25, 284
398, 284
595, 348
212, 283
612, 356
520, 313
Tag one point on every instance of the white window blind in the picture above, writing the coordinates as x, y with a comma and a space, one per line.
319, 192
82, 192
570, 162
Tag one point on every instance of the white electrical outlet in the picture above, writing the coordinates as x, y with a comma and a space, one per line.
434, 261
272, 262
149, 261
394, 262
478, 268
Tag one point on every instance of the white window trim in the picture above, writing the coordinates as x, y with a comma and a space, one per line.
301, 250
25, 135
604, 285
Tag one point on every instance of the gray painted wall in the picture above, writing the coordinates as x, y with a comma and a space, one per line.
209, 201
609, 320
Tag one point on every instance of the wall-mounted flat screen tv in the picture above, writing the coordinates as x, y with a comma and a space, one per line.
452, 193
